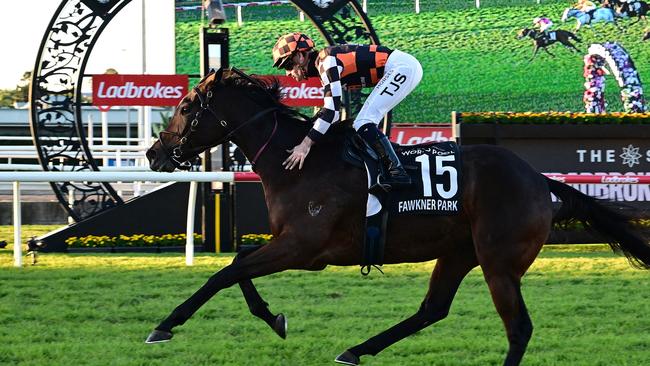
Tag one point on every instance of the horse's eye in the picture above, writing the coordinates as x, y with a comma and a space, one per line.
185, 110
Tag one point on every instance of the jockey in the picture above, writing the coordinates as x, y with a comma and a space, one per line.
392, 73
586, 6
543, 24
628, 6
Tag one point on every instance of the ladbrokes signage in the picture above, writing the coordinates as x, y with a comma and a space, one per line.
148, 90
306, 93
406, 134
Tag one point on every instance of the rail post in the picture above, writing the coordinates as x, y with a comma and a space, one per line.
18, 248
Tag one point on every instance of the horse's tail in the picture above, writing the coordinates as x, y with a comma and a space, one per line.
610, 223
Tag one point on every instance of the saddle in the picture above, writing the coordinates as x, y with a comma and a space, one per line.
435, 171
546, 37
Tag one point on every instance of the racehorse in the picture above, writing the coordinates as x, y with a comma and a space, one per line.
541, 42
599, 15
638, 9
506, 216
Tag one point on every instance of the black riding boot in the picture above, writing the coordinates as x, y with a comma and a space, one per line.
393, 174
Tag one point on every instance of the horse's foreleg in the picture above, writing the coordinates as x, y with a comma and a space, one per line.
446, 277
269, 259
535, 50
618, 26
549, 52
257, 305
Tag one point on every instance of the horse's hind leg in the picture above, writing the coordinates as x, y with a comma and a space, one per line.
504, 261
447, 276
506, 294
257, 305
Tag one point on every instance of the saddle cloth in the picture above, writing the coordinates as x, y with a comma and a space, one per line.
436, 175
435, 172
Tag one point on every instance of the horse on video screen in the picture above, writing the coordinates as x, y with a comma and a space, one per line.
599, 15
632, 9
505, 217
541, 42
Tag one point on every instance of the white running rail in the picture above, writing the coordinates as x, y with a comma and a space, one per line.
192, 177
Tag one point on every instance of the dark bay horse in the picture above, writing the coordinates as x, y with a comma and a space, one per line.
506, 216
562, 36
638, 9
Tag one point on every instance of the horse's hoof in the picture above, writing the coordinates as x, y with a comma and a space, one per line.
347, 358
280, 326
159, 336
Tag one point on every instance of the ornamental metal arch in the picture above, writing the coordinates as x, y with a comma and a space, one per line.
339, 22
55, 101
55, 97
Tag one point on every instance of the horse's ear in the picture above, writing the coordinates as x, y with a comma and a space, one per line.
219, 75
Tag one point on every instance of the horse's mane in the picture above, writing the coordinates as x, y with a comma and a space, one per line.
267, 89
264, 89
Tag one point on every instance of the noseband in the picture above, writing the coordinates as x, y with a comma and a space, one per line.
176, 152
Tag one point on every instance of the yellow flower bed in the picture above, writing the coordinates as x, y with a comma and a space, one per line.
248, 239
137, 240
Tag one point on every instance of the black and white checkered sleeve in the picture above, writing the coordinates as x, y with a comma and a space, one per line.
332, 90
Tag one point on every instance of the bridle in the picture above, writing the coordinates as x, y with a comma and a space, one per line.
176, 152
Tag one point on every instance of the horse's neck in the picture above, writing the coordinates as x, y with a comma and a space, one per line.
269, 141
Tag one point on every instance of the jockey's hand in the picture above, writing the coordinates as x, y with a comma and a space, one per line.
298, 154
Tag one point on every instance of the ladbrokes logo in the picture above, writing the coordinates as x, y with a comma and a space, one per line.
158, 90
307, 93
132, 91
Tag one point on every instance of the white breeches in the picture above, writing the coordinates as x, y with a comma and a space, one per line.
402, 73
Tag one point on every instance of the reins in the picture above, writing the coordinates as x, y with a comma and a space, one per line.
176, 152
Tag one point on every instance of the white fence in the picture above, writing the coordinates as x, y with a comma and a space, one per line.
193, 177
240, 6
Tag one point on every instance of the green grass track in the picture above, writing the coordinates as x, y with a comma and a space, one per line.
589, 308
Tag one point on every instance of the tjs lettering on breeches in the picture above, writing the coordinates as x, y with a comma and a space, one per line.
397, 81
402, 74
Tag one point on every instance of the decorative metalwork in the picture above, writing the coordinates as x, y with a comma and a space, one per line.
55, 102
340, 22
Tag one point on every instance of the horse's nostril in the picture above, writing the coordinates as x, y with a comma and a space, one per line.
151, 155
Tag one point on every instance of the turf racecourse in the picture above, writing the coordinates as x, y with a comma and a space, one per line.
589, 307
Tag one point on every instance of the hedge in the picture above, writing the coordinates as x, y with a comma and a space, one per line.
555, 118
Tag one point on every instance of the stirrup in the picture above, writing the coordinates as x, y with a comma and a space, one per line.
379, 188
394, 183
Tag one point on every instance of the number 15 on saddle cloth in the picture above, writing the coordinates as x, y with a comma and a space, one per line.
435, 170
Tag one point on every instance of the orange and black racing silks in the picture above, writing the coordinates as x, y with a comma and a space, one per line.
348, 66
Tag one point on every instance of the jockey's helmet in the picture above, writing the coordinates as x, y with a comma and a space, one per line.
537, 20
287, 45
